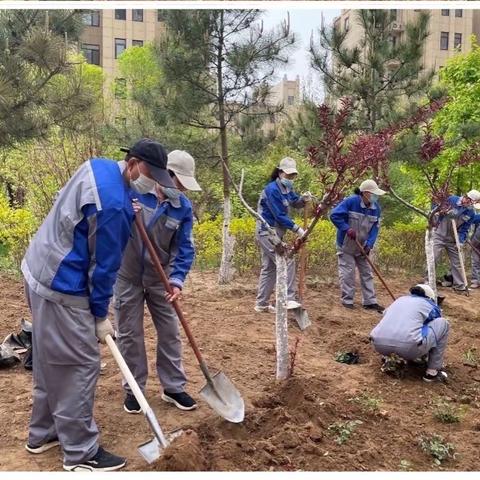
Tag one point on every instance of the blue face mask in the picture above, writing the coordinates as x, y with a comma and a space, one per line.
287, 183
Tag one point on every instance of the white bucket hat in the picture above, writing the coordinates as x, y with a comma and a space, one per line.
428, 290
288, 165
183, 165
371, 187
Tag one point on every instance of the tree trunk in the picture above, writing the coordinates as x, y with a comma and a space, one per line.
432, 279
226, 272
281, 318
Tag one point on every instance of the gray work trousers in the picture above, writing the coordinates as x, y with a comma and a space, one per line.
475, 266
438, 246
346, 272
129, 307
66, 365
268, 273
433, 345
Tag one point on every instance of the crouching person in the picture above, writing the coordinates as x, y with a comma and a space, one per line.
168, 218
412, 327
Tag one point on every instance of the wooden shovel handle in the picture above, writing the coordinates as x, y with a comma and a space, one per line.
379, 275
161, 272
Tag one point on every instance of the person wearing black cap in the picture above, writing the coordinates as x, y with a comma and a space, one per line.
69, 268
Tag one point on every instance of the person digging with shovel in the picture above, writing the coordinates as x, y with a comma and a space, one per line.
69, 269
273, 205
461, 212
167, 215
475, 244
413, 327
357, 218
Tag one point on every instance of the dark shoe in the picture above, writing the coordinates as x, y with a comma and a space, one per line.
374, 306
181, 400
130, 405
460, 291
103, 461
441, 376
42, 448
350, 306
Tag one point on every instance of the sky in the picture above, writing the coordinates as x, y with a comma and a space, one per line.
302, 23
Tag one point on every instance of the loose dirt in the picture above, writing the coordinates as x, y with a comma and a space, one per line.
287, 423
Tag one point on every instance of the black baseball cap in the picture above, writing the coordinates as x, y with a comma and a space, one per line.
152, 153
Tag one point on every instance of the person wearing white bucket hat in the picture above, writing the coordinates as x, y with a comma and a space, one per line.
273, 205
167, 214
357, 218
461, 210
412, 327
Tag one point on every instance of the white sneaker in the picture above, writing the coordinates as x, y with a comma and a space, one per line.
265, 309
292, 304
475, 285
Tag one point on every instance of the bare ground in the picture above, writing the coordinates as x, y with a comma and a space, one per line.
286, 424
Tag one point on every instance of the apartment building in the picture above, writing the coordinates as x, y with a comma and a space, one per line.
109, 32
450, 32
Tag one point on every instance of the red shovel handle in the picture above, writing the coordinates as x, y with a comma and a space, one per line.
161, 272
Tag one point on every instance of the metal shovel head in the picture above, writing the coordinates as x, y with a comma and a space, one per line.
301, 316
224, 398
152, 449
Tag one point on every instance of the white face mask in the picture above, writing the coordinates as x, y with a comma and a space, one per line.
171, 193
142, 184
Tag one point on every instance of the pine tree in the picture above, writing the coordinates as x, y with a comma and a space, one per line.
384, 77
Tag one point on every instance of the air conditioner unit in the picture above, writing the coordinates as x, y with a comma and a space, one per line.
396, 27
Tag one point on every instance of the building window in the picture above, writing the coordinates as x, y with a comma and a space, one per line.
92, 53
393, 40
444, 41
459, 13
120, 14
120, 46
291, 99
120, 88
346, 24
393, 15
137, 43
445, 13
91, 19
160, 16
137, 15
457, 41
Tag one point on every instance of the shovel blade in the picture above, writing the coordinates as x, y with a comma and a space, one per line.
224, 398
301, 316
152, 450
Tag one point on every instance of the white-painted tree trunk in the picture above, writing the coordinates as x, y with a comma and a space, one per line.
281, 319
225, 275
432, 278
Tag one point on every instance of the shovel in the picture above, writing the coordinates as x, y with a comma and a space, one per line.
462, 265
219, 392
151, 450
374, 268
301, 315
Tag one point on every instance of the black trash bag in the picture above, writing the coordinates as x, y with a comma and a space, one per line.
8, 357
20, 342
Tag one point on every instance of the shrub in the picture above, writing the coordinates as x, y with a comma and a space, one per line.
437, 448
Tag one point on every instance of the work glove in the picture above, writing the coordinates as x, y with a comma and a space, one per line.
307, 196
103, 328
367, 249
351, 233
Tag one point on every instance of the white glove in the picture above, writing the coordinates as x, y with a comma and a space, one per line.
300, 232
103, 328
307, 196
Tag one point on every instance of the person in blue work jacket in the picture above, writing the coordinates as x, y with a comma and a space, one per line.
413, 327
357, 218
167, 214
69, 269
475, 241
462, 212
273, 205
